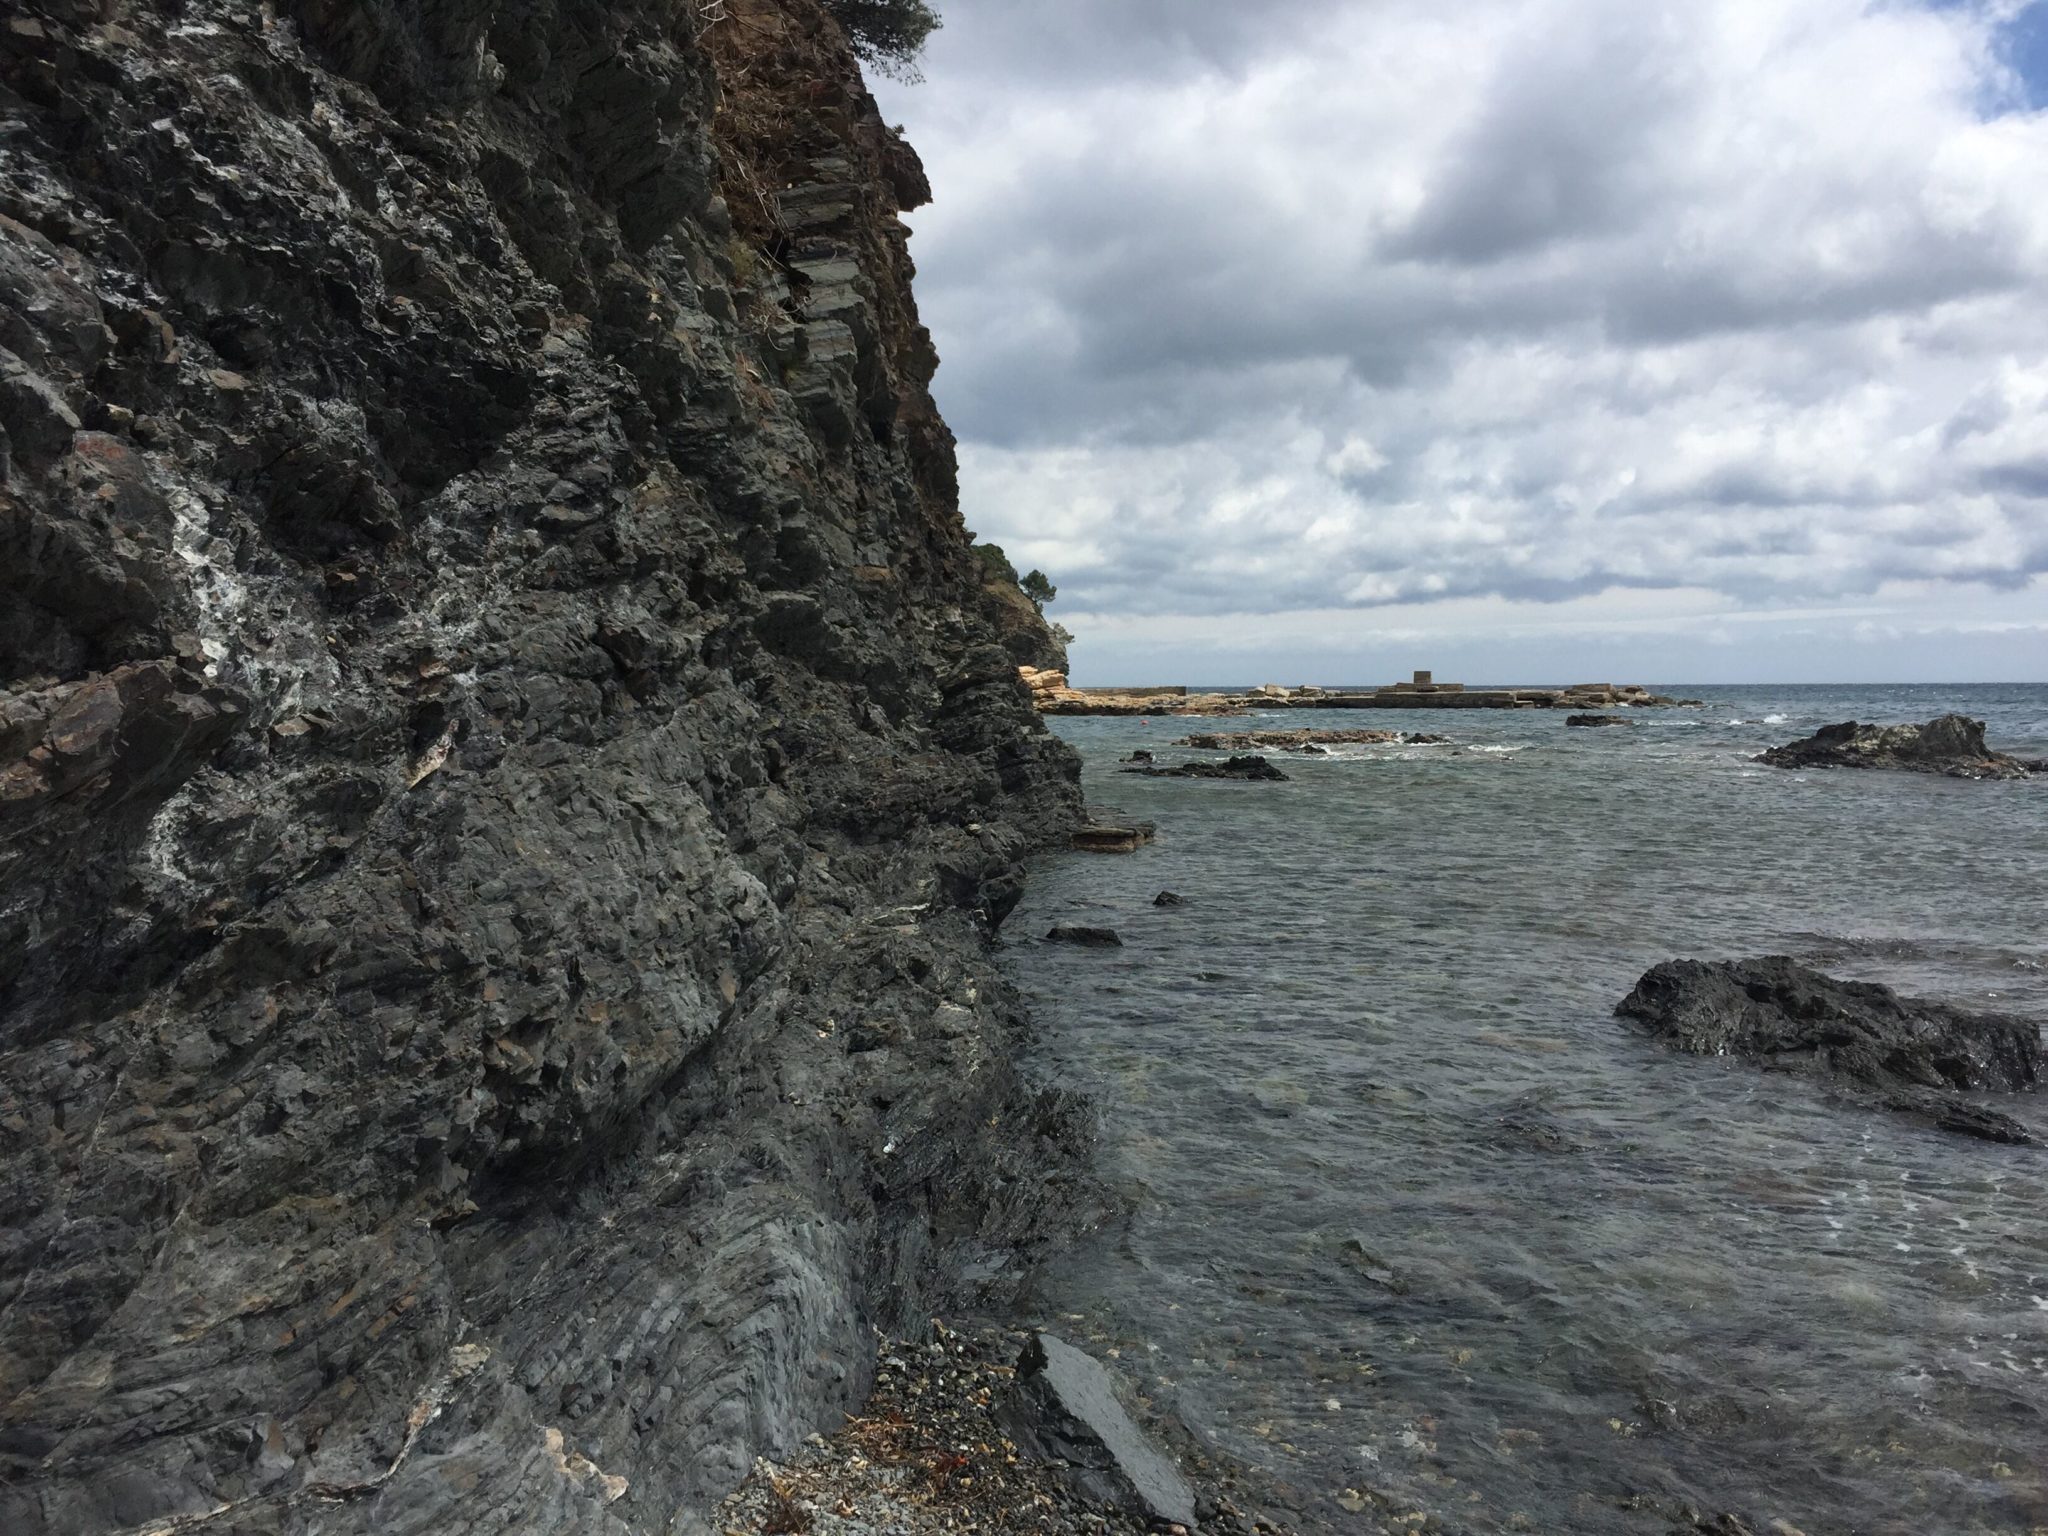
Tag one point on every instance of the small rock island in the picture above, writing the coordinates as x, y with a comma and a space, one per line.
1952, 745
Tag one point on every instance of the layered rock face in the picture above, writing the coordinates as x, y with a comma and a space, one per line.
506, 774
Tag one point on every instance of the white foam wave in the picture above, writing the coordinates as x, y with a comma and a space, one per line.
1774, 719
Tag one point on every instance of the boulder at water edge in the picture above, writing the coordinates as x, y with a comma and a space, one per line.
1063, 1408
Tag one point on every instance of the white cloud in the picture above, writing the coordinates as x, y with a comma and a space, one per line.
1344, 304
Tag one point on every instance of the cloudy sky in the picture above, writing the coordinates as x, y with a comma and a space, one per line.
1526, 339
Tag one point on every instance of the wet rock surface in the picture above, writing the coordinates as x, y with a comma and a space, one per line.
1908, 1054
1586, 720
1952, 745
1248, 768
1062, 1408
1078, 933
507, 776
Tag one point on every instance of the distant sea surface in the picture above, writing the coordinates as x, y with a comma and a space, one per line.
1422, 1228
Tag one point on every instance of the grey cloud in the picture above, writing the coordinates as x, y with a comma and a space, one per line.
1608, 309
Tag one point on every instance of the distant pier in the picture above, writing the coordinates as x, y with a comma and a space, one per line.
1052, 695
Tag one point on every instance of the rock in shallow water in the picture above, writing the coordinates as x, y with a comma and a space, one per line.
1247, 768
1952, 745
1908, 1054
1598, 720
1076, 933
1063, 1408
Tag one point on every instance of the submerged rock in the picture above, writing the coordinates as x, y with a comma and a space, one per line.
1951, 745
1169, 899
1598, 720
1908, 1054
1248, 768
1064, 1409
1080, 933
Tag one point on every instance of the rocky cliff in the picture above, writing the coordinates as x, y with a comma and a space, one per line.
506, 774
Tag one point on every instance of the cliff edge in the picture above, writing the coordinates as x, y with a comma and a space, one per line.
506, 772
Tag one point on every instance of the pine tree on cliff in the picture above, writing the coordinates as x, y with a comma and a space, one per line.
889, 34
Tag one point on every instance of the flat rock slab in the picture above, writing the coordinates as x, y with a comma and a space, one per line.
1063, 1408
1952, 745
1598, 720
1100, 838
1909, 1054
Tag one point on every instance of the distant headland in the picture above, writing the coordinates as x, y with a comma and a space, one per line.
1052, 696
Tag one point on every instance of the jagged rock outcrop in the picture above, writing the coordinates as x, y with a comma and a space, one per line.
1251, 768
1903, 1053
506, 771
1952, 745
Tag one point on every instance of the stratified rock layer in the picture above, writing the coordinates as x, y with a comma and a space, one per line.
1952, 745
505, 770
1904, 1053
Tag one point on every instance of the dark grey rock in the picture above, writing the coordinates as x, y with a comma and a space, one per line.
1909, 1054
1598, 720
507, 772
1169, 899
1064, 1408
1076, 933
1246, 768
1952, 745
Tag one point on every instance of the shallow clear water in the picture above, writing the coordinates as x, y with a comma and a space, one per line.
1417, 1216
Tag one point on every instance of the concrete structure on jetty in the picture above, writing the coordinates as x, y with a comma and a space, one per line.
1052, 695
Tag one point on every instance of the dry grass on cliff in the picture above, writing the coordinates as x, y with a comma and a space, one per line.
787, 80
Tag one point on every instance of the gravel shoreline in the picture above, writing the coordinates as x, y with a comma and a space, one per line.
926, 1457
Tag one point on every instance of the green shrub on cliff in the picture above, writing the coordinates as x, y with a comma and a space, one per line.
996, 564
889, 34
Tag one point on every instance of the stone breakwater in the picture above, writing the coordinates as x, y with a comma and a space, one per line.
1052, 695
507, 770
1309, 743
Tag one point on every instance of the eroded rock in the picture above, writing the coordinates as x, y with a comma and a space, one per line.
507, 773
1952, 745
1909, 1054
1247, 768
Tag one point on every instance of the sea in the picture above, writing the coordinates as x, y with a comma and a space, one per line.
1424, 1232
